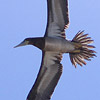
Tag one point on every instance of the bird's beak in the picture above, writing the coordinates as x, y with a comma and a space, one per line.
22, 44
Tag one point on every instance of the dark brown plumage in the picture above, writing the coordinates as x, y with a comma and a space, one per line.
53, 45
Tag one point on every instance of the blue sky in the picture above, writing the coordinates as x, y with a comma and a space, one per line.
20, 19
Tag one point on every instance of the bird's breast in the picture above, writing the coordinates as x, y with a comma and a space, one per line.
58, 45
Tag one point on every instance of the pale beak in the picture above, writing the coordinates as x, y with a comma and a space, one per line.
22, 44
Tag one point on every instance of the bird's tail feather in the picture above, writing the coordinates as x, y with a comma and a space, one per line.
82, 51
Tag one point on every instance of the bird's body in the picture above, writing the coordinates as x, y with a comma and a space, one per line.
62, 45
53, 45
48, 44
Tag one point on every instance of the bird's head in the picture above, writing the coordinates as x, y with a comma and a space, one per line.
23, 43
38, 42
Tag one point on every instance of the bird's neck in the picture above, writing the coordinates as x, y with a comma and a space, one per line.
38, 42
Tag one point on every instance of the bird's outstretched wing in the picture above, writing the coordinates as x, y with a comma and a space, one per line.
47, 78
58, 18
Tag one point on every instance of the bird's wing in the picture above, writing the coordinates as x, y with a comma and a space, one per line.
58, 18
47, 78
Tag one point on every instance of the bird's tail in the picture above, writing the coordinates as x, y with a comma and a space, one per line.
82, 49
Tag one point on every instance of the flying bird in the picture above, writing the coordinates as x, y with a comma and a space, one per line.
53, 45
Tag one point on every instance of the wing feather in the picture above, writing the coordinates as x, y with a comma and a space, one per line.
58, 18
47, 78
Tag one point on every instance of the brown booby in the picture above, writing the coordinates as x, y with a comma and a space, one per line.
53, 45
